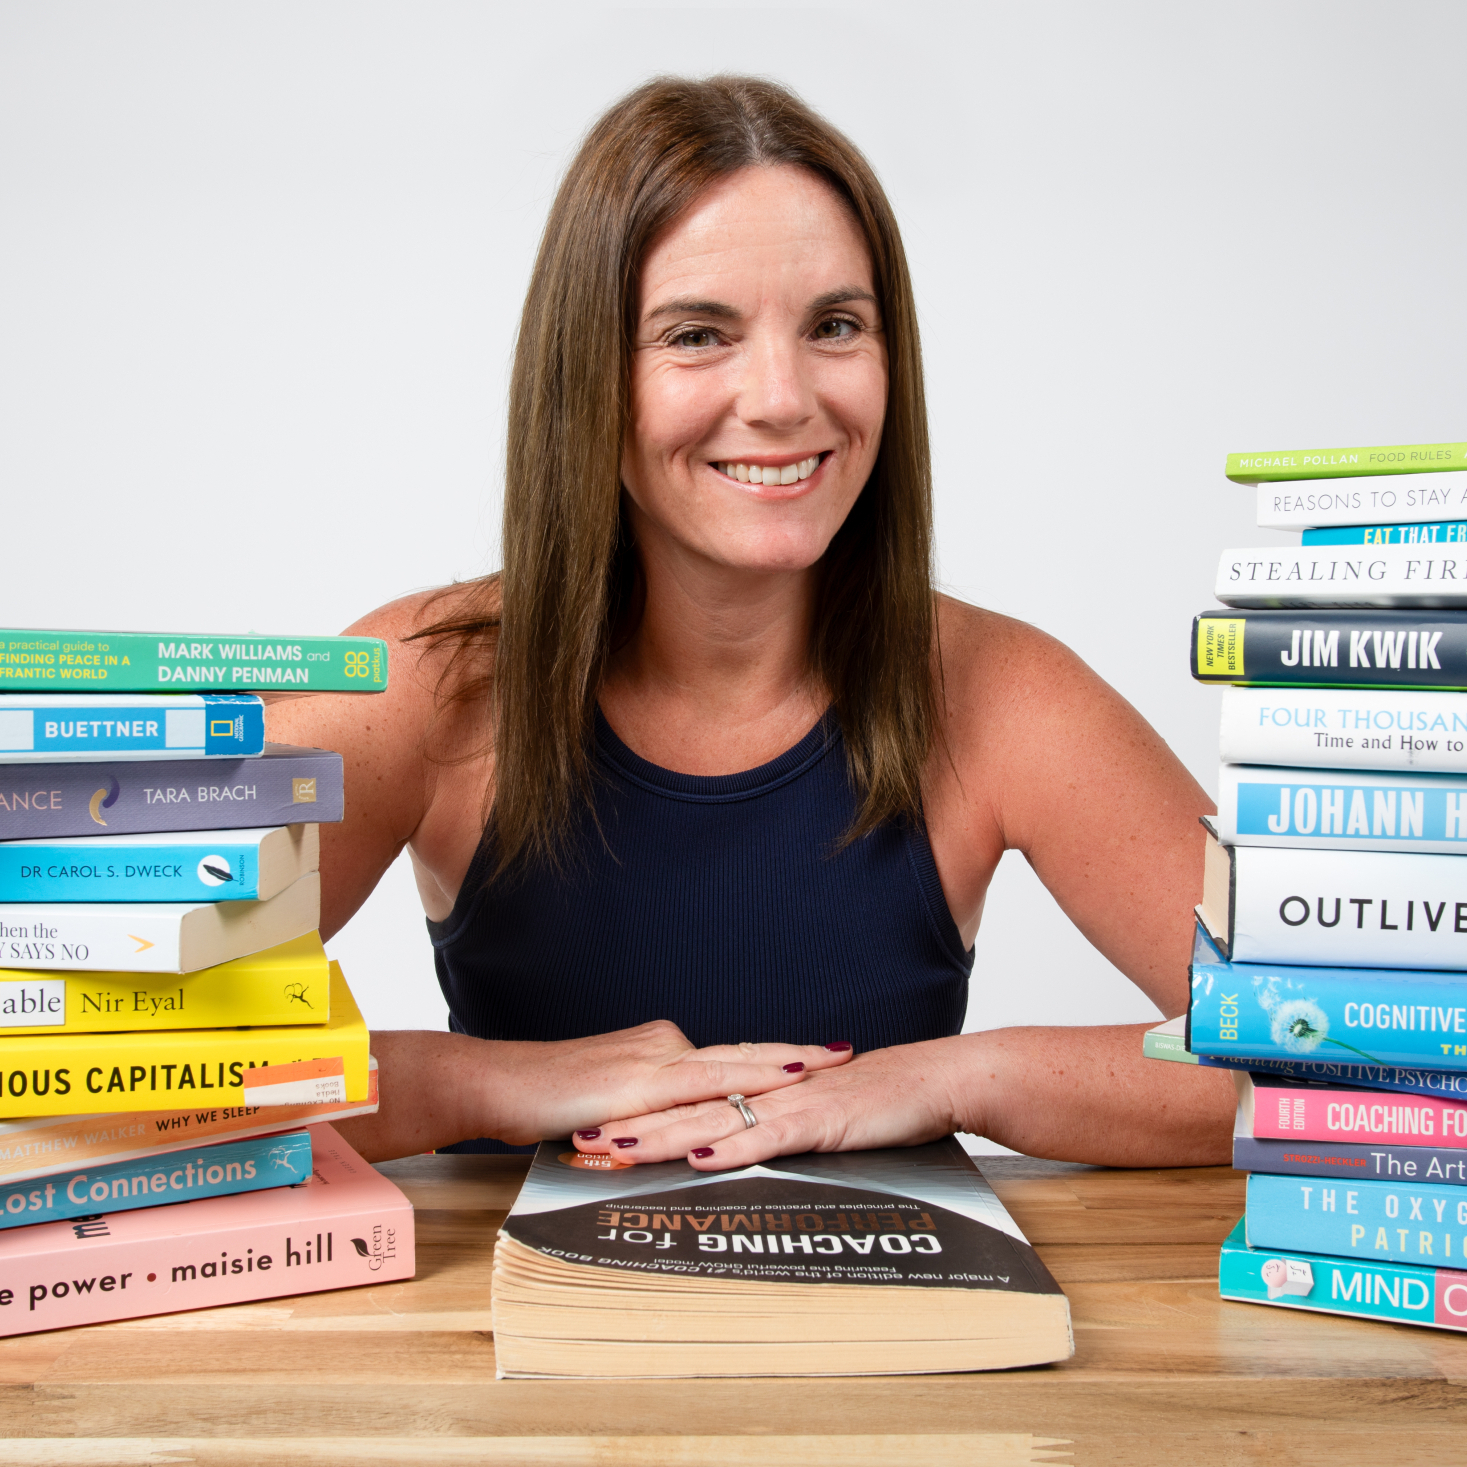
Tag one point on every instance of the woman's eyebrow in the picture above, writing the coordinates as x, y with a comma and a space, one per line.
687, 305
840, 295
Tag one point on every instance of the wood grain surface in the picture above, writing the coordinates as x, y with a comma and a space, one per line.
1164, 1371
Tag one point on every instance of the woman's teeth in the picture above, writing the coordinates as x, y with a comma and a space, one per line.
789, 474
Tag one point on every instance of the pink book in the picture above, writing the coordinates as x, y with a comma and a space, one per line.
1341, 1113
347, 1225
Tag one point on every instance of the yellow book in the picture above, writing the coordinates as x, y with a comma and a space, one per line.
82, 1074
286, 984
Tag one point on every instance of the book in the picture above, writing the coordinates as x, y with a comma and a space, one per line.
1335, 463
1300, 1280
850, 1263
1345, 728
1346, 1159
1395, 1221
1430, 532
1361, 648
154, 937
171, 866
1379, 1016
41, 1146
48, 728
1342, 502
141, 662
284, 785
285, 984
82, 1074
1269, 1107
222, 1170
1340, 809
346, 1225
1358, 909
1342, 576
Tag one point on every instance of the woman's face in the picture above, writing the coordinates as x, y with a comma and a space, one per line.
758, 376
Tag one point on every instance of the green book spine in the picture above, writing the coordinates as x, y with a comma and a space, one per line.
164, 662
1346, 463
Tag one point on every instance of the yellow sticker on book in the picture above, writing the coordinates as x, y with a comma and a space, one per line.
1220, 646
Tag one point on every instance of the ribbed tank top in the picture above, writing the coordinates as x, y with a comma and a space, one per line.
723, 903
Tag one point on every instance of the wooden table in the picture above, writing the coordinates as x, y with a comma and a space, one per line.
1164, 1372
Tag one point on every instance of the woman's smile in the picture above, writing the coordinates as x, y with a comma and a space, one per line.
777, 473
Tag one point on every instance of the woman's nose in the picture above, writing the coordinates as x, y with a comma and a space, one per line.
775, 391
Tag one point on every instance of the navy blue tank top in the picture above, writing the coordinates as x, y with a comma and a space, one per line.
723, 903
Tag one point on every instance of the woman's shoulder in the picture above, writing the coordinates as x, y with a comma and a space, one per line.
986, 655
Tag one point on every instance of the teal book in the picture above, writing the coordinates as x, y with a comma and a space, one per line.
1345, 463
45, 728
1290, 1279
1438, 532
163, 662
231, 1167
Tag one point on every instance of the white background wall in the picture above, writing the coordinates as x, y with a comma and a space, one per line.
260, 266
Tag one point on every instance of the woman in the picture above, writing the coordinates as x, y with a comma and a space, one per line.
710, 750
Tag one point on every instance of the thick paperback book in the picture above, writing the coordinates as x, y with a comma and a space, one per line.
346, 1225
79, 1074
1342, 576
847, 1263
1336, 463
214, 1171
283, 786
46, 728
169, 866
1345, 728
1342, 1160
1365, 648
150, 662
1351, 502
1340, 810
286, 984
1433, 532
1271, 1107
1301, 1280
154, 937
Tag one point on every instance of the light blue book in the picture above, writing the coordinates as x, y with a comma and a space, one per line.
37, 728
151, 1181
1439, 532
177, 866
1388, 1222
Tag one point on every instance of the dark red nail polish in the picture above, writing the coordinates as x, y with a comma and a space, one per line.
624, 1141
795, 1068
702, 1151
840, 1046
588, 1135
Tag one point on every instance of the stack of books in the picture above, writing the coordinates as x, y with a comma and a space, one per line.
173, 1038
1330, 965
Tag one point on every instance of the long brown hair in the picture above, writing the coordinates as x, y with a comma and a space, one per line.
569, 565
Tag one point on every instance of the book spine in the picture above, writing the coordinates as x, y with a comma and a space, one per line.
194, 727
1337, 728
1425, 1296
1398, 1079
1342, 576
224, 1170
1377, 647
1299, 810
146, 662
285, 786
1359, 502
1432, 532
1359, 1115
1394, 1222
1335, 463
227, 870
1353, 1160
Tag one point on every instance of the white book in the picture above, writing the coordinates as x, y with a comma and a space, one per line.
1345, 728
153, 937
1342, 575
1386, 499
1341, 810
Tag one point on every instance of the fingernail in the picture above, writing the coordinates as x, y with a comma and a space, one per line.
840, 1046
588, 1135
794, 1069
702, 1151
624, 1141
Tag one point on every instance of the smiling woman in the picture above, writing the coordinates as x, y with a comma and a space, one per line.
709, 762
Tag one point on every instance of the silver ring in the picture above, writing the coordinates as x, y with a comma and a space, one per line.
738, 1103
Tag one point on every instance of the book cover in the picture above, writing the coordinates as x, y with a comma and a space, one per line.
1345, 728
1336, 463
48, 728
169, 866
1341, 810
285, 984
223, 1170
346, 1225
1430, 532
1342, 576
1436, 1297
41, 1146
1328, 503
79, 1074
154, 937
1324, 648
1272, 1107
1395, 1221
283, 786
1355, 909
143, 662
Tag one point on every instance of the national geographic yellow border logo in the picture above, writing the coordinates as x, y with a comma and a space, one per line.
1220, 646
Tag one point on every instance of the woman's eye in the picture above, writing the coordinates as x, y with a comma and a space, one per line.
695, 336
836, 328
